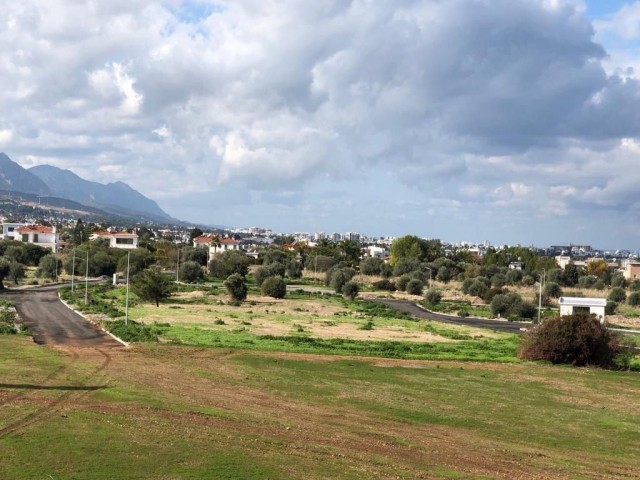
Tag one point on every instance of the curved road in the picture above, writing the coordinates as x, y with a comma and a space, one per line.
51, 322
413, 309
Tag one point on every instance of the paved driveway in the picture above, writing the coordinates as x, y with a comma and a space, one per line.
51, 322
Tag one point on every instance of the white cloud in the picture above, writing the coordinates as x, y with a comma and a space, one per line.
494, 104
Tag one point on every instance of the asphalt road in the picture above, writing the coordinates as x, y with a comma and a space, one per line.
411, 308
50, 322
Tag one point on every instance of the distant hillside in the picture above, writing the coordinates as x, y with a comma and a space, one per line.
116, 197
14, 178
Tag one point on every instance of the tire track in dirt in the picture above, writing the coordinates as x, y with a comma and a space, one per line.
46, 381
51, 407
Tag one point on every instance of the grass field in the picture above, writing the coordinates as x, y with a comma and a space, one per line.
175, 412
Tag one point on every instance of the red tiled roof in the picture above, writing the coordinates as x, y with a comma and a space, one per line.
209, 238
114, 234
34, 229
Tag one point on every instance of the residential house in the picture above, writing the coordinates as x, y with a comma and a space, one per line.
9, 229
38, 235
123, 240
631, 270
218, 245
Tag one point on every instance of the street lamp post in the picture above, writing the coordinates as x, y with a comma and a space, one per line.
544, 273
86, 280
315, 269
178, 266
73, 271
429, 277
126, 302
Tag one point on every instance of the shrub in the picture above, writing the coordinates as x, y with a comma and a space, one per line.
414, 287
617, 294
401, 283
634, 286
492, 292
587, 281
527, 310
294, 269
191, 272
618, 280
599, 285
384, 284
478, 288
433, 296
528, 280
506, 304
611, 308
338, 279
634, 299
236, 287
260, 275
513, 276
576, 339
132, 331
47, 267
371, 266
466, 284
498, 280
228, 263
274, 287
552, 290
350, 290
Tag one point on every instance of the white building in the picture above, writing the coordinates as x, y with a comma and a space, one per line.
571, 305
39, 235
123, 240
374, 251
9, 229
218, 246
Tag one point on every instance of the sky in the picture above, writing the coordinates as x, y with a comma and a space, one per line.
512, 121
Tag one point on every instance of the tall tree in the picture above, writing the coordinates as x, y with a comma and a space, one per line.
152, 285
5, 268
412, 247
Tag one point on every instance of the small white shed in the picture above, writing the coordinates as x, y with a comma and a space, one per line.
571, 305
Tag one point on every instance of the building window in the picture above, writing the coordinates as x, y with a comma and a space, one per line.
124, 241
25, 237
35, 238
11, 229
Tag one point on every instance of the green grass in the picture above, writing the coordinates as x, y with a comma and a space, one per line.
170, 412
496, 350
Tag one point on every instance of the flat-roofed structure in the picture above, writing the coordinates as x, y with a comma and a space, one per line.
571, 305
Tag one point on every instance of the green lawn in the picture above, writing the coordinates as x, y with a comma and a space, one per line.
176, 412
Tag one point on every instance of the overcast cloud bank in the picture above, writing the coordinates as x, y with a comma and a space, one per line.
506, 120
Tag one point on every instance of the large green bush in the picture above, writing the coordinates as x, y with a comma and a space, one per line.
552, 290
236, 287
577, 339
634, 299
414, 287
274, 286
191, 272
617, 294
350, 290
433, 296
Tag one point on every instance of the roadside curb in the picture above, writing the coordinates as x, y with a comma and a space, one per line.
93, 323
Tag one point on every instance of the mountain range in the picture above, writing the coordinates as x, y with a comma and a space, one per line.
116, 198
